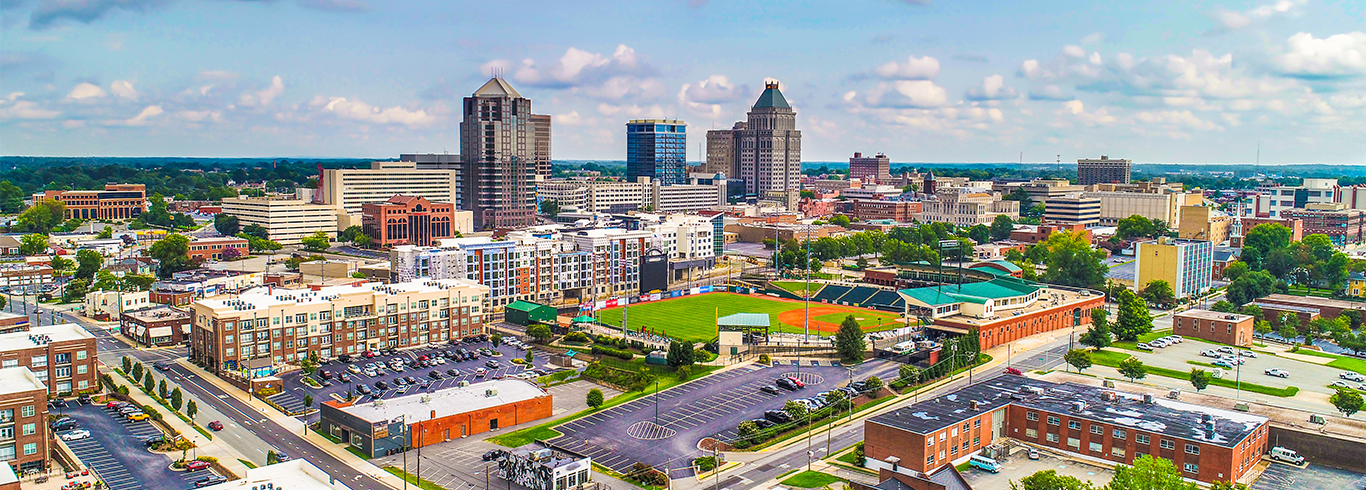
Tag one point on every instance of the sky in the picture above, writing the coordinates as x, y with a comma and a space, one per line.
920, 80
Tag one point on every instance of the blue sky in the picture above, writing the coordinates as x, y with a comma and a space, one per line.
931, 81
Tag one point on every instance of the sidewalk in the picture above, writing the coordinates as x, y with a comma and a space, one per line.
296, 426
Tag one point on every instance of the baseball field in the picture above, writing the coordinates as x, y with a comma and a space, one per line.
694, 317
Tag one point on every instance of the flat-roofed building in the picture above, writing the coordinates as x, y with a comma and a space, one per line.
105, 305
1103, 170
424, 419
1343, 226
265, 326
1202, 222
1205, 444
13, 322
19, 276
62, 356
158, 326
521, 266
1224, 328
295, 474
964, 206
1002, 310
411, 220
898, 211
1072, 209
870, 169
1184, 264
24, 437
116, 201
546, 467
285, 220
216, 248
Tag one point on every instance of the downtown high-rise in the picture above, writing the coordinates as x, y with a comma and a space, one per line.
657, 148
501, 150
764, 152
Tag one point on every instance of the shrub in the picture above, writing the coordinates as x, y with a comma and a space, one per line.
151, 412
576, 337
617, 353
763, 359
683, 373
705, 463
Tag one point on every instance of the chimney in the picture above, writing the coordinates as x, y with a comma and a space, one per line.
972, 404
893, 460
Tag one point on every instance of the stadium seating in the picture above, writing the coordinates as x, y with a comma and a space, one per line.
831, 293
887, 299
857, 296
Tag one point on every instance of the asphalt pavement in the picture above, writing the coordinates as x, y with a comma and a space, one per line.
116, 451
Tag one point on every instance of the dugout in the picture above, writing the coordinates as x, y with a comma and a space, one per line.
732, 330
525, 313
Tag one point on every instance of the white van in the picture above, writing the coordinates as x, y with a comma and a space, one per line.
1289, 456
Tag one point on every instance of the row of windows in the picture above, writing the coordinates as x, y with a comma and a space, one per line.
1120, 434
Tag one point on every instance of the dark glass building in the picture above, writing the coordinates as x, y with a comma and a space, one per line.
656, 148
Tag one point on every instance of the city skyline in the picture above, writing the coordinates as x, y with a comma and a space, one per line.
1162, 83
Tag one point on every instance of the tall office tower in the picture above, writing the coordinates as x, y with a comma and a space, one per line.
721, 151
656, 148
769, 150
498, 157
870, 169
542, 144
1102, 171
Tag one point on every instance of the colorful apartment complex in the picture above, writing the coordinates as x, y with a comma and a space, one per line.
1002, 310
1092, 423
116, 201
265, 326
408, 220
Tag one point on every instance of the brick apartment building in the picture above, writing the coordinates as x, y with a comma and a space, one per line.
898, 211
1206, 444
1224, 328
24, 441
62, 356
1326, 307
157, 326
116, 201
203, 249
408, 220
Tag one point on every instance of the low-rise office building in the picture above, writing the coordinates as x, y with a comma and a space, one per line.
964, 206
159, 326
21, 276
423, 419
24, 436
1343, 226
104, 305
898, 211
1224, 328
1072, 209
62, 356
205, 249
412, 220
1204, 223
285, 220
1096, 424
546, 468
116, 201
13, 322
1002, 310
264, 327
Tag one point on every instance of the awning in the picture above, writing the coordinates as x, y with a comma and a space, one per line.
585, 319
945, 328
161, 332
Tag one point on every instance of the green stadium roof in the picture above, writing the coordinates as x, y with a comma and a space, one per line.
977, 292
585, 319
1006, 264
524, 306
744, 320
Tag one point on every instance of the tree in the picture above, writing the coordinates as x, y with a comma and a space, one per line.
1224, 485
257, 231
840, 220
318, 242
105, 233
1346, 401
594, 398
1149, 473
75, 290
136, 372
41, 217
11, 198
191, 409
675, 355
1200, 379
161, 389
908, 373
1235, 270
272, 457
849, 340
90, 262
1001, 227
1134, 318
148, 383
1223, 306
226, 224
550, 207
1133, 369
60, 263
795, 410
496, 340
1261, 240
1096, 337
1262, 326
1134, 226
232, 253
683, 373
1050, 480
540, 333
1159, 292
747, 430
362, 240
1072, 262
174, 254
1354, 318
127, 364
177, 399
529, 357
980, 233
873, 383
1250, 286
349, 233
308, 402
33, 244
1078, 358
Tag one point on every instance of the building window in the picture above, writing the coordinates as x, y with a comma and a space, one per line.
1095, 447
30, 429
1053, 420
1192, 468
929, 442
1142, 439
28, 411
1168, 444
1117, 451
32, 448
1074, 425
1032, 416
1096, 429
1120, 434
1074, 442
1031, 433
1051, 437
1192, 449
929, 460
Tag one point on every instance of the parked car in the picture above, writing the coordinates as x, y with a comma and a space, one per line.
371, 373
1226, 349
65, 423
1223, 363
492, 364
763, 423
381, 385
770, 389
127, 409
1341, 384
1282, 454
1143, 346
353, 369
209, 481
434, 375
479, 373
115, 404
364, 389
1352, 376
137, 416
325, 374
1033, 454
57, 403
778, 416
1279, 373
799, 382
411, 380
72, 435
453, 372
215, 426
1013, 371
786, 384
1177, 338
1209, 353
1247, 353
153, 440
343, 377
197, 465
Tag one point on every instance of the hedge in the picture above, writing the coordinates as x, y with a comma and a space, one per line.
617, 353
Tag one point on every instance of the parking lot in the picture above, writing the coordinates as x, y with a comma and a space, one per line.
1307, 376
1018, 465
294, 388
115, 450
1286, 477
625, 434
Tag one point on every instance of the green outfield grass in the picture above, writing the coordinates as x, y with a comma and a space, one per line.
694, 317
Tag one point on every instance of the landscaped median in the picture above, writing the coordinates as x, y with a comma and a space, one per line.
1110, 358
810, 479
410, 478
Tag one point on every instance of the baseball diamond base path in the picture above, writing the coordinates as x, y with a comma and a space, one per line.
693, 317
796, 318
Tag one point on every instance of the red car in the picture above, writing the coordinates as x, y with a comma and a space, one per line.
1011, 370
112, 404
215, 426
196, 466
799, 382
370, 354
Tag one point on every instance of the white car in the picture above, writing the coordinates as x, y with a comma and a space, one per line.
1226, 349
1279, 373
72, 435
353, 369
1176, 338
1341, 384
1210, 353
1247, 353
371, 373
1352, 376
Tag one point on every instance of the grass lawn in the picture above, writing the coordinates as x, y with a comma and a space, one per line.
798, 287
694, 317
810, 479
848, 457
423, 484
1111, 358
1340, 362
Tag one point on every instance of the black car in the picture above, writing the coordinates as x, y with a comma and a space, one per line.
153, 440
763, 423
162, 366
453, 372
209, 481
344, 358
399, 381
769, 389
381, 384
492, 455
83, 400
58, 402
778, 416
786, 384
434, 375
364, 389
861, 386
411, 380
61, 424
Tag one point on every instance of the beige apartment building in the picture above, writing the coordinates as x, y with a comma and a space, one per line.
285, 220
1165, 206
1199, 222
963, 206
435, 177
265, 327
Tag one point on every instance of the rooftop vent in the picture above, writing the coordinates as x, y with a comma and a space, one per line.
1078, 406
1148, 398
972, 404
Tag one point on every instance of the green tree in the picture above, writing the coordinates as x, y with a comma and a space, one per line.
1346, 401
1050, 480
148, 383
1260, 241
540, 333
362, 240
60, 263
795, 410
595, 398
1133, 369
747, 430
127, 364
349, 233
550, 207
1235, 270
1250, 286
529, 357
90, 262
1096, 337
908, 373
136, 372
161, 389
496, 340
33, 244
191, 409
11, 198
849, 340
41, 217
1072, 262
675, 356
1001, 226
1223, 306
840, 220
257, 231
1354, 318
873, 383
1159, 292
980, 233
1134, 318
1078, 358
1134, 226
75, 290
1149, 473
272, 457
318, 242
177, 399
308, 402
105, 233
226, 224
1224, 485
683, 373
1262, 326
1200, 379
174, 254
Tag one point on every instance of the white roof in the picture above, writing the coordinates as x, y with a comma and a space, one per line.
295, 474
265, 297
55, 333
7, 475
18, 380
449, 401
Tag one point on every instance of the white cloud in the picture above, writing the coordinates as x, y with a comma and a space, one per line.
12, 107
142, 119
1177, 119
630, 110
578, 67
993, 88
1230, 19
216, 75
86, 91
617, 88
1338, 55
201, 116
1075, 111
124, 89
923, 68
1093, 38
360, 111
706, 96
570, 119
264, 96
903, 94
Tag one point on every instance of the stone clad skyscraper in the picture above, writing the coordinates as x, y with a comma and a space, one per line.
499, 143
767, 149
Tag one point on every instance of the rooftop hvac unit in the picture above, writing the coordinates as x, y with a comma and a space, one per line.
1148, 398
972, 405
1206, 418
490, 392
1078, 406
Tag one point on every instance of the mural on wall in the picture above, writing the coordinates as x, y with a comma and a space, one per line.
527, 473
